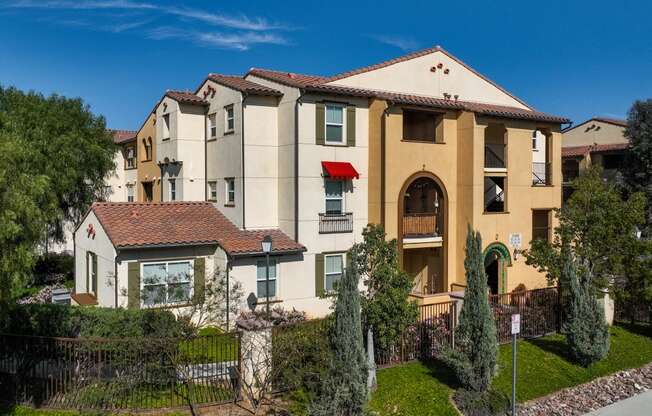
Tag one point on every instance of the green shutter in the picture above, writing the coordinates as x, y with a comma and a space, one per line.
319, 275
94, 273
320, 123
88, 273
200, 279
350, 125
133, 285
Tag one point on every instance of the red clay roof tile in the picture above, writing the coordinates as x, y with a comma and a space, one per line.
186, 97
123, 136
134, 224
240, 84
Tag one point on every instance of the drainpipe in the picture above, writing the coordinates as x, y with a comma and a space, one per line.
242, 139
115, 265
228, 269
205, 154
296, 164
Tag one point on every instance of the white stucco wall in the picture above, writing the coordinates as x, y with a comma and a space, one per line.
414, 76
116, 181
103, 248
186, 144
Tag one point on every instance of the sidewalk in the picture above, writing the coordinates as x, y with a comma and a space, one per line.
638, 405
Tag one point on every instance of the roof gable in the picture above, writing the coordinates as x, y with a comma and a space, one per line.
430, 72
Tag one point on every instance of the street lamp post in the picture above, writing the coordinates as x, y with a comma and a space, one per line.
267, 248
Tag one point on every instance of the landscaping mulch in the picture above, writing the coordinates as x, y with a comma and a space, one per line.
591, 396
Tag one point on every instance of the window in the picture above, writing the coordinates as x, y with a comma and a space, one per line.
534, 140
541, 224
148, 191
229, 123
229, 185
212, 191
334, 199
166, 283
131, 157
91, 272
147, 146
421, 125
494, 194
173, 189
130, 193
334, 268
334, 123
166, 126
261, 279
212, 125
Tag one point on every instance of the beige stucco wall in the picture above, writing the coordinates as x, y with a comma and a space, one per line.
459, 164
414, 76
148, 170
592, 132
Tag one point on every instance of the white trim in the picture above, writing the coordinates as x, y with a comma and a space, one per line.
341, 198
276, 263
412, 240
341, 273
167, 263
495, 170
226, 118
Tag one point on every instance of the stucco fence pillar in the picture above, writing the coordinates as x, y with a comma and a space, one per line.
608, 305
256, 361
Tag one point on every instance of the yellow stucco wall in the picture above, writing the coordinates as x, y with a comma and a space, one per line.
459, 165
148, 170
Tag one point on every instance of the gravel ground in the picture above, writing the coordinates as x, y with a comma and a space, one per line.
592, 395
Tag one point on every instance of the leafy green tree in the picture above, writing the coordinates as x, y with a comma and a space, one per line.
55, 157
638, 166
474, 359
344, 391
385, 304
599, 226
587, 333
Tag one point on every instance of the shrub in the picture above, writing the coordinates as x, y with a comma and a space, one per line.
474, 360
53, 268
489, 403
65, 321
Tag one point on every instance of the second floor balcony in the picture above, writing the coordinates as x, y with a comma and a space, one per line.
541, 173
422, 224
494, 157
336, 223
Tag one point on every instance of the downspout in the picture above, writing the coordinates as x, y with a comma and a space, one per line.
160, 165
205, 155
242, 138
228, 309
296, 165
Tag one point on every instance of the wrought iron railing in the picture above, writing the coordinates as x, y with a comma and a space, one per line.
541, 173
335, 223
492, 159
420, 224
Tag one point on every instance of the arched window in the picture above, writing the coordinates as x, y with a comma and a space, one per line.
147, 144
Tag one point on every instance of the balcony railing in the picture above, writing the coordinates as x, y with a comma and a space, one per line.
420, 225
494, 158
336, 223
541, 173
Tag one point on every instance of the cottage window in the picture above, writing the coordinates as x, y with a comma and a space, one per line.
261, 281
212, 124
131, 157
91, 272
421, 125
541, 224
166, 283
334, 123
130, 193
334, 268
229, 120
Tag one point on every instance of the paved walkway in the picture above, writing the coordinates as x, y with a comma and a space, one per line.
639, 405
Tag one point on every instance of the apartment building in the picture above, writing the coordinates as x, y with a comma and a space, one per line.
422, 144
600, 141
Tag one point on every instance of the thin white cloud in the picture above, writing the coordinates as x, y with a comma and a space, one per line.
237, 41
403, 43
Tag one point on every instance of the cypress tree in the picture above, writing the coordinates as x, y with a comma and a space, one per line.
344, 391
474, 359
587, 333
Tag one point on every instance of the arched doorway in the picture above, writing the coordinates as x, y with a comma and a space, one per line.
496, 261
422, 211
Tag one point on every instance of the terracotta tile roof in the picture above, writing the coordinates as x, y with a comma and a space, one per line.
317, 84
615, 121
574, 151
134, 224
287, 78
185, 97
123, 136
240, 84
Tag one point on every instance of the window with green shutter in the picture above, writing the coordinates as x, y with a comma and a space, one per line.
335, 124
319, 274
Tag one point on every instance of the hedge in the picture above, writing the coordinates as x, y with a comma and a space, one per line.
65, 321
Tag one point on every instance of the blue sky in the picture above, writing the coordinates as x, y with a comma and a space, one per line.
573, 58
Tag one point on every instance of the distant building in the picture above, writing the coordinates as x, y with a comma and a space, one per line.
598, 141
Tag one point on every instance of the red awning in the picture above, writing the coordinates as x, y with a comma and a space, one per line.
340, 170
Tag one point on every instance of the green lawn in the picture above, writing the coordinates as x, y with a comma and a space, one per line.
210, 346
543, 367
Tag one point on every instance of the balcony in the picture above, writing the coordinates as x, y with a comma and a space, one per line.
336, 223
541, 174
494, 158
420, 225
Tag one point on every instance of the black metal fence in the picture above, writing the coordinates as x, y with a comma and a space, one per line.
136, 373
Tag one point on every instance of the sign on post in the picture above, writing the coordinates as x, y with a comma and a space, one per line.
516, 324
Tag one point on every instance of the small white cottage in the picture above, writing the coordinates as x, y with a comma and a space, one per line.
140, 255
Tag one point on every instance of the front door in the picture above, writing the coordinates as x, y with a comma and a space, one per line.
492, 269
148, 191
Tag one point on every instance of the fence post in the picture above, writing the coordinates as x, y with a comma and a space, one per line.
453, 317
255, 360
